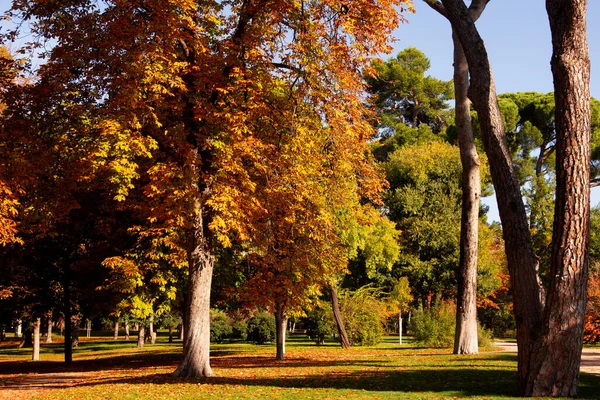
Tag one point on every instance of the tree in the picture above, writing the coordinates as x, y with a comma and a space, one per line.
401, 298
543, 369
466, 300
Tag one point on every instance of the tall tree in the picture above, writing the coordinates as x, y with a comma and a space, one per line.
541, 334
465, 341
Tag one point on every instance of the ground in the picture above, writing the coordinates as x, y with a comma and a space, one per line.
107, 369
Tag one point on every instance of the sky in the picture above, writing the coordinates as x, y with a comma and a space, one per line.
517, 37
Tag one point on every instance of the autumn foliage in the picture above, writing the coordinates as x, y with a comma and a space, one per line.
591, 333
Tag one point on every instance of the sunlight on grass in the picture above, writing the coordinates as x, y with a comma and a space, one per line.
107, 369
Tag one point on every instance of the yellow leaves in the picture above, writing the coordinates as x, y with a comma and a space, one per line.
8, 212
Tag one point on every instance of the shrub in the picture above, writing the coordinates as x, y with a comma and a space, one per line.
261, 328
364, 316
319, 324
435, 327
220, 326
484, 336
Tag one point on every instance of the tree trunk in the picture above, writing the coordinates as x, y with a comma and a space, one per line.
344, 342
141, 336
280, 325
18, 328
75, 334
400, 327
116, 330
181, 332
170, 334
36, 339
126, 329
196, 345
465, 338
27, 337
151, 330
88, 328
556, 357
522, 261
68, 345
49, 328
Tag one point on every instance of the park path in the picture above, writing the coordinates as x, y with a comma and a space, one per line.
590, 357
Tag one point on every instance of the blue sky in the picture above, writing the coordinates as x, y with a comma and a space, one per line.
517, 37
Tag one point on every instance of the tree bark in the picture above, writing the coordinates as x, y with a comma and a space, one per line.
400, 327
88, 328
126, 329
522, 261
465, 339
337, 314
68, 328
49, 327
141, 336
36, 339
556, 357
151, 330
27, 337
196, 346
280, 325
116, 330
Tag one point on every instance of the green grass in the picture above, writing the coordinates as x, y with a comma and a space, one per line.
107, 369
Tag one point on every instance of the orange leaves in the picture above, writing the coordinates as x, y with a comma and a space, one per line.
591, 330
8, 212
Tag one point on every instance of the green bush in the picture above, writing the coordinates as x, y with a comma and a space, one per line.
434, 328
261, 328
240, 330
364, 316
319, 324
220, 326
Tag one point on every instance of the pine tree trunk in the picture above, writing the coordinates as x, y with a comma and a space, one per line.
196, 345
337, 314
49, 327
522, 261
556, 357
465, 339
141, 336
280, 325
127, 329
36, 339
116, 330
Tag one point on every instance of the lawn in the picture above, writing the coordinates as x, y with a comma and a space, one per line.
107, 369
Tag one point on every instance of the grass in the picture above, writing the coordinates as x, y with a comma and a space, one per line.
107, 369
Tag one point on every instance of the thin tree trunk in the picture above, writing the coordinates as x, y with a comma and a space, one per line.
556, 357
88, 328
181, 332
465, 339
49, 327
141, 336
170, 334
116, 330
151, 329
400, 327
18, 328
126, 329
75, 333
522, 261
68, 336
337, 314
27, 337
280, 325
36, 339
196, 346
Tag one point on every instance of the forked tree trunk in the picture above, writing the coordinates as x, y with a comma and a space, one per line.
49, 328
522, 261
337, 314
280, 325
556, 358
116, 330
36, 339
465, 338
141, 336
196, 346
